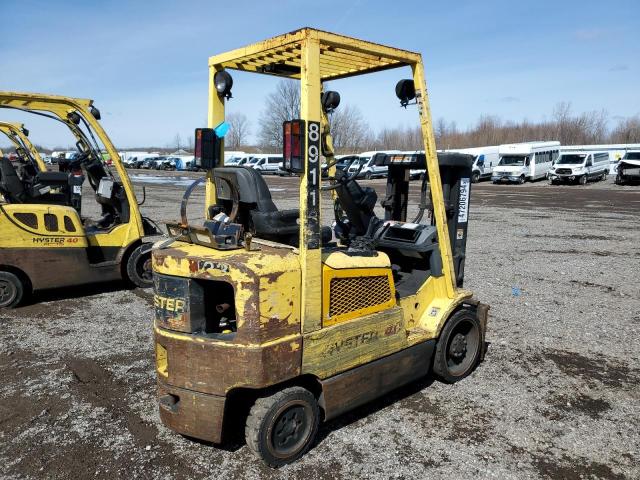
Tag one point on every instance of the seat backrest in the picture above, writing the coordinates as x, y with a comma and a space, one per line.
10, 184
252, 189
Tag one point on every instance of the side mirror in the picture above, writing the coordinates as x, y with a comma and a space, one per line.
405, 91
207, 149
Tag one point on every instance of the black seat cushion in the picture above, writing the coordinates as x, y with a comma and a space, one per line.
257, 208
53, 178
11, 186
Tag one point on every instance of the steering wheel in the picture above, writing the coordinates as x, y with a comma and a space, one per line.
344, 178
235, 198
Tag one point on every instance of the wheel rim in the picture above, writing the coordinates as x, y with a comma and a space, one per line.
291, 429
462, 347
8, 293
144, 268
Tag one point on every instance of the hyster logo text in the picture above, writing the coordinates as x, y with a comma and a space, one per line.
49, 240
174, 305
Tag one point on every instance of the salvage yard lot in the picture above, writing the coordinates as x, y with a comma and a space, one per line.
558, 395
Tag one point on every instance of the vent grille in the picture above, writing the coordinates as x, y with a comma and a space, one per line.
356, 293
29, 219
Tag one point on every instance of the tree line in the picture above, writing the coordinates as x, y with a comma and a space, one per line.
351, 132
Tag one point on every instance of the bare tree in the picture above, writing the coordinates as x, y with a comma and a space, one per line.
238, 129
349, 131
177, 140
627, 131
281, 105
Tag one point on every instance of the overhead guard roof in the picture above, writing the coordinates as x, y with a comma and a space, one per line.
340, 56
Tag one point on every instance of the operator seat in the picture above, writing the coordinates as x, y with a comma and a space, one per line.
35, 191
11, 186
257, 212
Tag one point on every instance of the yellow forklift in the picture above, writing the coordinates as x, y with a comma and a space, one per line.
28, 155
268, 316
44, 241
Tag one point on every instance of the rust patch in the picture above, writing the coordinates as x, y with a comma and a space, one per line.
273, 276
276, 327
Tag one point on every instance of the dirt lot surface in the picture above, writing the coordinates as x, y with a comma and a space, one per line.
558, 395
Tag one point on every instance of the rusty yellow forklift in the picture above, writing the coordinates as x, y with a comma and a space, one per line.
44, 240
29, 156
265, 314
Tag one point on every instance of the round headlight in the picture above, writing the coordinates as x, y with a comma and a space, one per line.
223, 83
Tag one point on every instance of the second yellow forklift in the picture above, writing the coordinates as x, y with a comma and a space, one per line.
265, 314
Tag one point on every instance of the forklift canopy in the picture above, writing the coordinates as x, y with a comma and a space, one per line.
340, 56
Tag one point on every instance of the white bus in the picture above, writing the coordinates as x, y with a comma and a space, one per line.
520, 162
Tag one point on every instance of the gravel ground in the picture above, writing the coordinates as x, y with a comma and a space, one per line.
558, 395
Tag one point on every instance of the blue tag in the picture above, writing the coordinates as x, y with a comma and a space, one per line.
221, 130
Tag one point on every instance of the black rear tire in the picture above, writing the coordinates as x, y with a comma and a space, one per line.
139, 270
459, 347
281, 428
11, 290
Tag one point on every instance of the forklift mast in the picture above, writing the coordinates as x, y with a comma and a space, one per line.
455, 173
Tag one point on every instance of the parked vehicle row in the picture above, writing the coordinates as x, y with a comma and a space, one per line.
508, 163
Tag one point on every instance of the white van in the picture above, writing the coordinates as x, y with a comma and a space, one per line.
485, 160
238, 160
265, 163
367, 166
520, 162
579, 167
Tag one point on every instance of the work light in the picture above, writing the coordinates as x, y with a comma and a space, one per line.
330, 101
74, 118
95, 112
223, 83
405, 91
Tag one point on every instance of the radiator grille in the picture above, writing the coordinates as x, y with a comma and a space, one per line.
355, 293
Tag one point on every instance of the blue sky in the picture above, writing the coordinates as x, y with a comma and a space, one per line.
145, 63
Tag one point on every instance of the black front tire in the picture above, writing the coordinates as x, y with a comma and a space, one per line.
522, 179
459, 347
11, 290
281, 428
475, 177
139, 270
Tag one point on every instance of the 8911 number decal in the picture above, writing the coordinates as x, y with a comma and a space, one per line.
313, 181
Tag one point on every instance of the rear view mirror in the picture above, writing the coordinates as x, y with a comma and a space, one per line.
207, 149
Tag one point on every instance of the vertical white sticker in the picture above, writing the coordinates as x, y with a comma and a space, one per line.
463, 202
